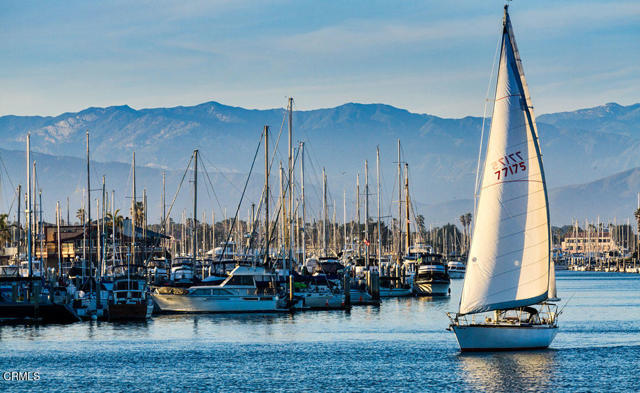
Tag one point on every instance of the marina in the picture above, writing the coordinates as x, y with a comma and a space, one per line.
302, 247
404, 340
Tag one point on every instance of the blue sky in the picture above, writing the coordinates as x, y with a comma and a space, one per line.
426, 56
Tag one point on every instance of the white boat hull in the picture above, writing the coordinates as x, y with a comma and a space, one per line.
503, 338
431, 288
213, 304
456, 274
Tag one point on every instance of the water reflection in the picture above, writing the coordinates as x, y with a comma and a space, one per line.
508, 371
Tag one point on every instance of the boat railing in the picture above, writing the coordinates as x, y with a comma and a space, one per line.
545, 315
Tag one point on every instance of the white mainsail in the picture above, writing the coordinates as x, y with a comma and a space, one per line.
510, 256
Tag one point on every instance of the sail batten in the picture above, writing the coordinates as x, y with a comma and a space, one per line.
510, 251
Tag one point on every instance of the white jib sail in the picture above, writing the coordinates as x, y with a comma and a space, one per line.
509, 258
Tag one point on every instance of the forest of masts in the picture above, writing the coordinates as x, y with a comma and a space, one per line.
287, 229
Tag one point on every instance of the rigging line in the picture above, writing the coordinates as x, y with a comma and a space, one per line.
211, 185
164, 223
220, 172
7, 172
279, 206
235, 218
262, 196
280, 202
484, 117
12, 202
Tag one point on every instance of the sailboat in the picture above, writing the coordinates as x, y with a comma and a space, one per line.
506, 300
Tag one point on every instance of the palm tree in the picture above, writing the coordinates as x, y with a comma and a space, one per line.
139, 206
119, 220
5, 230
80, 215
463, 221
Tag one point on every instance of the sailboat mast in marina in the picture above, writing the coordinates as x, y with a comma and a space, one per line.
506, 289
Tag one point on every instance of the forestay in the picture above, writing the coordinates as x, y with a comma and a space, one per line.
509, 257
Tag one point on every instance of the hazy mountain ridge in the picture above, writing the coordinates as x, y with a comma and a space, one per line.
578, 147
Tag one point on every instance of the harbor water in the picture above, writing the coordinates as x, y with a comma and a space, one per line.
400, 346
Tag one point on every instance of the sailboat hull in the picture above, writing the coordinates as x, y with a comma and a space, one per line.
504, 338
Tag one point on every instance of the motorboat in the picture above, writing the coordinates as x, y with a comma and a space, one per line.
432, 278
246, 289
456, 269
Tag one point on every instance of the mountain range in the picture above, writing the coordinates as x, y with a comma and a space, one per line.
589, 155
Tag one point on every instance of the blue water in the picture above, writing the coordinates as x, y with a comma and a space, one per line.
400, 346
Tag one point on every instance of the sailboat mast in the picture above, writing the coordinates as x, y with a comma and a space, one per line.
266, 195
399, 229
19, 213
379, 202
89, 203
103, 239
194, 228
335, 232
406, 191
324, 213
133, 212
283, 211
290, 180
58, 238
358, 231
164, 206
366, 212
304, 210
344, 219
113, 227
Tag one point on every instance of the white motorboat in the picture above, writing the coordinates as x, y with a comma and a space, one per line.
182, 270
509, 272
456, 269
247, 289
432, 278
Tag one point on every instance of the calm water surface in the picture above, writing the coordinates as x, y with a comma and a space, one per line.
400, 346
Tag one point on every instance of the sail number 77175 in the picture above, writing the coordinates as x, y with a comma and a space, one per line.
508, 165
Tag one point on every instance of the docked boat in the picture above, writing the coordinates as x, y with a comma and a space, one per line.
506, 301
182, 270
246, 289
317, 293
29, 299
456, 269
432, 278
129, 300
